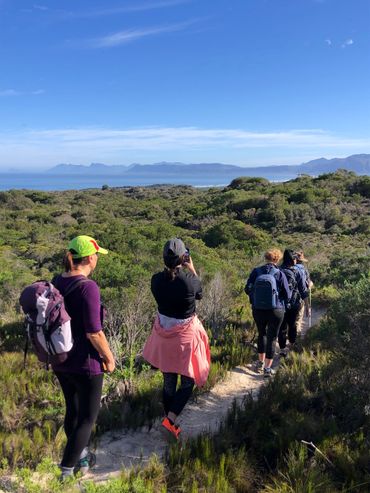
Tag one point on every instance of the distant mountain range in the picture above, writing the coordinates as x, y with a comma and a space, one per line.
359, 163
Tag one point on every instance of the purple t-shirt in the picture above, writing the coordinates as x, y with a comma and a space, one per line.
84, 307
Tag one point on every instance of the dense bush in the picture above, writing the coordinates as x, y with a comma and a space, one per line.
320, 395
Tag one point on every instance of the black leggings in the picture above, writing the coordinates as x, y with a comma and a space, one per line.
82, 394
289, 327
174, 401
268, 324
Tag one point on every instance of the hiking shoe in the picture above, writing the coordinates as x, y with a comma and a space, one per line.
66, 478
171, 428
85, 464
258, 366
66, 474
284, 352
268, 372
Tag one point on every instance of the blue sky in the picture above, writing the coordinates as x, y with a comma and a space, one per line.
248, 82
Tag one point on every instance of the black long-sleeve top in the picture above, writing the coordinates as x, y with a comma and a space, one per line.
301, 285
176, 298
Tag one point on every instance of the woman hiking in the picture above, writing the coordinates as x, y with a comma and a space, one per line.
81, 375
268, 290
178, 344
300, 264
299, 298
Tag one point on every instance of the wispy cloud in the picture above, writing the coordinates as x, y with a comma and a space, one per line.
14, 92
347, 42
328, 42
9, 92
82, 145
40, 7
185, 137
129, 35
138, 7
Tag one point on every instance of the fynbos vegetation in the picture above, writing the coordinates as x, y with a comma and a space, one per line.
320, 396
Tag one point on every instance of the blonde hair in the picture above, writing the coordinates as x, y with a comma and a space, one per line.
273, 255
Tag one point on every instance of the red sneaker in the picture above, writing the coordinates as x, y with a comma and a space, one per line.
173, 429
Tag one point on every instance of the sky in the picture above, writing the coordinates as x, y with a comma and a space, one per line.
246, 82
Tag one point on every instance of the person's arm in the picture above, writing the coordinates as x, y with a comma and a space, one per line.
190, 266
100, 343
197, 287
249, 284
301, 284
92, 322
309, 281
303, 291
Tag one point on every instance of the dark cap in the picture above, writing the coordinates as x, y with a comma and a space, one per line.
289, 257
173, 251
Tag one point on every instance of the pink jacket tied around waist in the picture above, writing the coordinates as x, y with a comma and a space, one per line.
184, 349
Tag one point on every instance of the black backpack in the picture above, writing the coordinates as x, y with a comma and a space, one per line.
295, 300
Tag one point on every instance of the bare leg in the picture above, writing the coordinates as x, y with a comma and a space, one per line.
268, 363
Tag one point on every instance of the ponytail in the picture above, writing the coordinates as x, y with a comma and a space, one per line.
172, 265
171, 274
69, 262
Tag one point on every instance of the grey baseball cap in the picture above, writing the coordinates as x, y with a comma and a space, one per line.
174, 248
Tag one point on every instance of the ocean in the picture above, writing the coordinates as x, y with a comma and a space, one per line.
50, 182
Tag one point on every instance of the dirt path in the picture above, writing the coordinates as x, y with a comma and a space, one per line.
126, 448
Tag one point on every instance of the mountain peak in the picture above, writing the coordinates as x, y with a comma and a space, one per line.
172, 171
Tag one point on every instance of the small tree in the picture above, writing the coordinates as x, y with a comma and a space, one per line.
128, 323
215, 306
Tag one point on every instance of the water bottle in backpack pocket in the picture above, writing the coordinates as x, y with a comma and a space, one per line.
265, 291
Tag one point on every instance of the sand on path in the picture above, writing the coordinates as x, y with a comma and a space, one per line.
124, 448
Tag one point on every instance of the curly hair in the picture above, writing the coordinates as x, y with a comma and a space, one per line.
273, 255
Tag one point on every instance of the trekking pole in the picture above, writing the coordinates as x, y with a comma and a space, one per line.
311, 444
310, 312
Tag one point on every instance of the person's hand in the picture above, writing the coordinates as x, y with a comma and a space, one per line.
109, 365
189, 265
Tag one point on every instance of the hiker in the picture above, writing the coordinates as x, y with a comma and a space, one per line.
81, 375
299, 299
178, 343
301, 261
268, 290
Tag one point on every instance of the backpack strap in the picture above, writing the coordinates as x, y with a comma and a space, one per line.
75, 285
78, 282
25, 352
271, 269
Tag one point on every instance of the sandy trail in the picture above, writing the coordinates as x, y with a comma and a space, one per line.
120, 449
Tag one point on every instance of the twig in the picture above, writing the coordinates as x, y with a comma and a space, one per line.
311, 444
356, 486
268, 465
